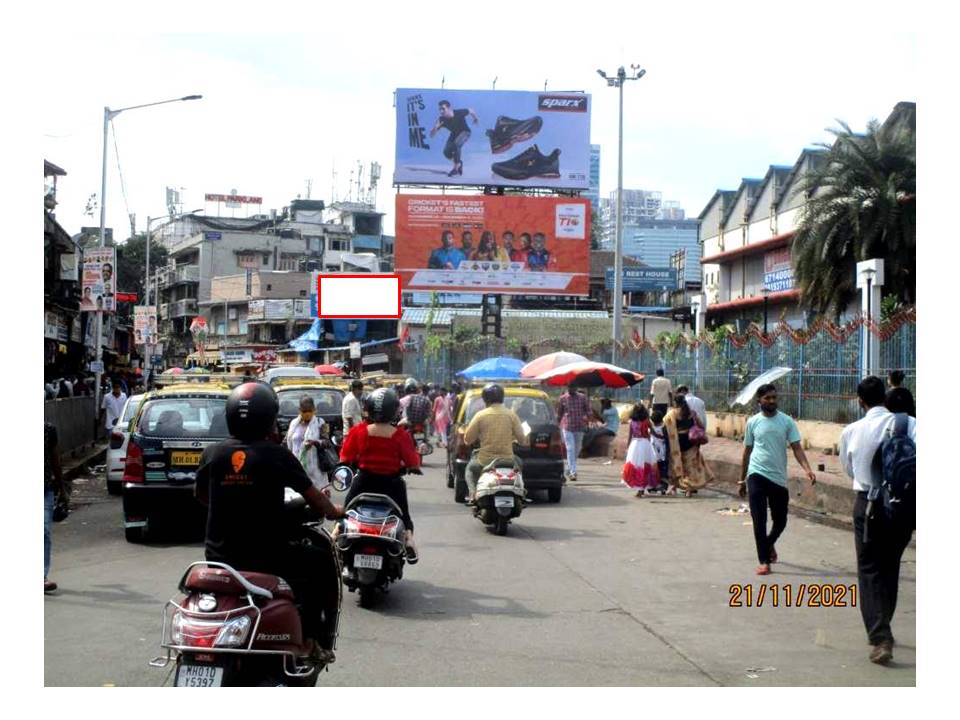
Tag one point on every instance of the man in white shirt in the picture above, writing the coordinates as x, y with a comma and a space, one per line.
661, 393
351, 411
112, 406
878, 559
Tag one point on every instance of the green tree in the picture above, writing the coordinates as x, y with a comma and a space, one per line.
132, 264
862, 205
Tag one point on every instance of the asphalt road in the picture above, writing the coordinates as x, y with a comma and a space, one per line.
602, 589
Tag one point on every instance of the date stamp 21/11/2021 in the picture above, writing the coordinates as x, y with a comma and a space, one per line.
793, 595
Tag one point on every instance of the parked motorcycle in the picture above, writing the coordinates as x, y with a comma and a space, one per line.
235, 628
370, 540
500, 494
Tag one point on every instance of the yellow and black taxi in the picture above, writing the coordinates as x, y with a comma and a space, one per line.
327, 398
167, 437
542, 459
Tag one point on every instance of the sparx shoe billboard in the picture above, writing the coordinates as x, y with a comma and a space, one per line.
493, 137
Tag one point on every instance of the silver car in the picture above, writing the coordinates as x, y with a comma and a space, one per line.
117, 451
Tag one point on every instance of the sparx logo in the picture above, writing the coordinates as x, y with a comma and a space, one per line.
563, 103
237, 460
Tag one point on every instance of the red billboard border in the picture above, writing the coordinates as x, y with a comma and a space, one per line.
361, 275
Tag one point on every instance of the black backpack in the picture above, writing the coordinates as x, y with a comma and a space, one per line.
896, 466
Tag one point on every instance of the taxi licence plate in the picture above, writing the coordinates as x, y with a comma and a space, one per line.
185, 457
199, 676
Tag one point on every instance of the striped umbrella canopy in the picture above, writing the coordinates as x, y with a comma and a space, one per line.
327, 370
542, 364
591, 374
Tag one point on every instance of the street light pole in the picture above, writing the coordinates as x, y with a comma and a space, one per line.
617, 82
108, 115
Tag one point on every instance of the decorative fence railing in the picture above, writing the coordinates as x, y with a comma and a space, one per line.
825, 359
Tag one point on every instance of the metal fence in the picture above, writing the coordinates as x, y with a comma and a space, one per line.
822, 386
77, 426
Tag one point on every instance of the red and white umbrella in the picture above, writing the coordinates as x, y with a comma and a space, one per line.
591, 374
328, 370
542, 364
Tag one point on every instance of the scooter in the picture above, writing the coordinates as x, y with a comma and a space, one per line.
420, 440
370, 540
500, 494
234, 628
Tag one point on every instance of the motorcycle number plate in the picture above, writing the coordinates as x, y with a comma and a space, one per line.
502, 501
199, 676
371, 562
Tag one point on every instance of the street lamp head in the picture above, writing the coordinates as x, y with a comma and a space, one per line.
602, 74
192, 97
640, 74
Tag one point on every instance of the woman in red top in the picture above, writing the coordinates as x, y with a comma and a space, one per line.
381, 451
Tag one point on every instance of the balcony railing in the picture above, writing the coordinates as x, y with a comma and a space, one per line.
180, 308
182, 274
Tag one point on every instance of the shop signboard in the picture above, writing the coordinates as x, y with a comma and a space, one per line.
515, 245
647, 279
492, 137
777, 270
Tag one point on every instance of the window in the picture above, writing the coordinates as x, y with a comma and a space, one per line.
266, 259
184, 417
247, 260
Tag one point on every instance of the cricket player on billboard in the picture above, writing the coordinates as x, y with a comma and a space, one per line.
526, 245
529, 139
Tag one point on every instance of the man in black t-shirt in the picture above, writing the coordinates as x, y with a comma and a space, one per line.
454, 121
242, 481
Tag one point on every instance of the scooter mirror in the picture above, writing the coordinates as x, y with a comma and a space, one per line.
342, 477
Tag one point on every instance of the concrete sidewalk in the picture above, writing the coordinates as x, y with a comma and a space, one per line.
829, 501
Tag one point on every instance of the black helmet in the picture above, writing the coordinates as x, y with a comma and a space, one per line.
382, 405
251, 411
411, 386
492, 394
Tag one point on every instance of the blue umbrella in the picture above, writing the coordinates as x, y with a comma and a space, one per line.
497, 368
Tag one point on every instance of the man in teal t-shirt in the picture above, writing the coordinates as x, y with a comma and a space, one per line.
764, 471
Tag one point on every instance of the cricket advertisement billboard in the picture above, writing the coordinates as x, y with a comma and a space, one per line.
99, 279
493, 137
508, 245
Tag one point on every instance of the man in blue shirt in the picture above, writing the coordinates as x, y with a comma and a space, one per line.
539, 257
764, 471
445, 257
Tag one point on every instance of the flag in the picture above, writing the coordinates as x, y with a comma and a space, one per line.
404, 336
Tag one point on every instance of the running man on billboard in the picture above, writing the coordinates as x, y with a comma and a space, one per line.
454, 121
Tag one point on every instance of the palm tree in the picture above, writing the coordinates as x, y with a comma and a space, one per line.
862, 205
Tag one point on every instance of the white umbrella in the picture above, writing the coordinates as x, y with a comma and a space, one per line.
749, 393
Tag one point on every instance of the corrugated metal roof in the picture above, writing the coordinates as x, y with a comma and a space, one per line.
443, 316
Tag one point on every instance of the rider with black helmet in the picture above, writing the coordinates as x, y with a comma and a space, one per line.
242, 481
496, 427
381, 451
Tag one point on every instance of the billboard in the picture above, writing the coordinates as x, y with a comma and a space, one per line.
493, 137
508, 245
777, 270
144, 324
99, 279
647, 279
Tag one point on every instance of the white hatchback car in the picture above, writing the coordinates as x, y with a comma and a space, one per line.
117, 451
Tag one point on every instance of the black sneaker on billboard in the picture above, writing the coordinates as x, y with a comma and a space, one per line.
508, 131
528, 164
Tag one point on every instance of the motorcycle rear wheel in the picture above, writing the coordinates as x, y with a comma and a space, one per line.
368, 596
501, 526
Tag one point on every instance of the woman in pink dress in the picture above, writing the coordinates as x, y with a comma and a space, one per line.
441, 416
640, 469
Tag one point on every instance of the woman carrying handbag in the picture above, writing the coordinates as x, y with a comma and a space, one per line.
685, 436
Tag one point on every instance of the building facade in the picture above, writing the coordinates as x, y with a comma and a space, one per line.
593, 194
638, 206
746, 236
655, 242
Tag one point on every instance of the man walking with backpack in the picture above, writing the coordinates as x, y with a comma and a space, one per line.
879, 453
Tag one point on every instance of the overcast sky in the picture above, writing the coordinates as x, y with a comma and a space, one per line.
726, 94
